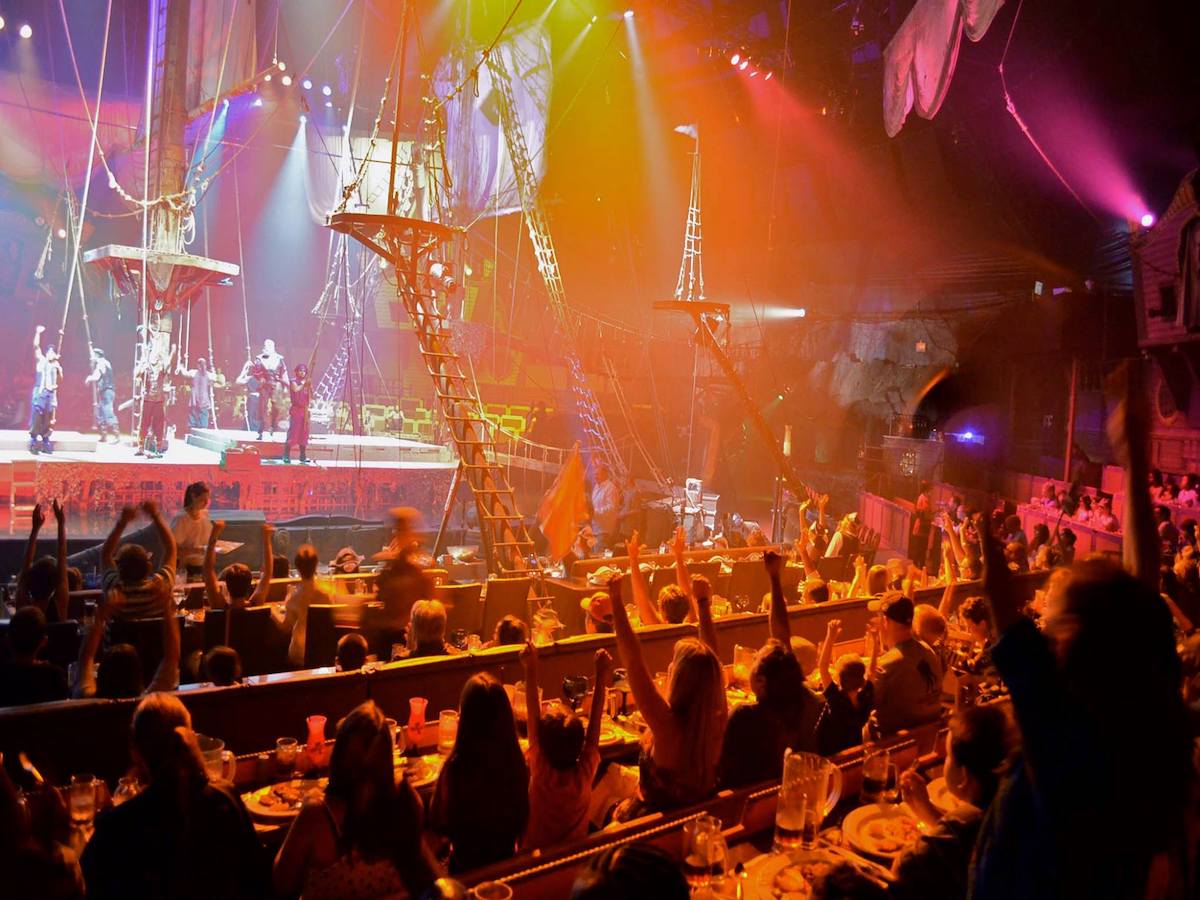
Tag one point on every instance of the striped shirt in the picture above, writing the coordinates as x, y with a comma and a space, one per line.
143, 600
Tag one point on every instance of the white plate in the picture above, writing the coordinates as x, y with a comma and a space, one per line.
763, 872
862, 829
940, 796
282, 809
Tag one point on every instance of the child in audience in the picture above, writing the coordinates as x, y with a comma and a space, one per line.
223, 666
237, 579
28, 679
45, 583
976, 752
930, 627
849, 697
130, 570
119, 675
631, 870
295, 617
562, 759
351, 652
509, 630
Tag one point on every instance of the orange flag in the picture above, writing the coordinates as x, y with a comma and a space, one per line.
564, 508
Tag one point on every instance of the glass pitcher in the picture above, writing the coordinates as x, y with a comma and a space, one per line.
810, 789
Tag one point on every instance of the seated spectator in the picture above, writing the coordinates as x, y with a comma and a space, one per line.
223, 666
1187, 534
363, 838
119, 675
849, 697
976, 752
977, 616
183, 836
427, 633
130, 570
1046, 558
845, 541
1066, 547
351, 652
1041, 536
28, 679
674, 600
509, 630
1017, 556
294, 621
481, 802
906, 677
1048, 497
1168, 534
757, 538
1104, 518
631, 870
1084, 511
814, 590
34, 861
783, 717
1188, 494
237, 579
806, 653
682, 743
929, 625
44, 583
599, 613
562, 759
1013, 532
346, 562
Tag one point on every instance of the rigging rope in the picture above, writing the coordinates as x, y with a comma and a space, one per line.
237, 205
212, 116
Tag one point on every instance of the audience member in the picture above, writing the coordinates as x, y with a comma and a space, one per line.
351, 652
130, 571
562, 759
192, 527
33, 856
598, 613
294, 621
849, 697
28, 679
223, 666
906, 676
674, 604
44, 583
180, 837
119, 674
281, 570
427, 633
976, 751
509, 630
401, 582
237, 579
363, 837
630, 870
481, 802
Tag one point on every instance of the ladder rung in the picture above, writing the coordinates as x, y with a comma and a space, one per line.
439, 353
510, 517
455, 398
512, 543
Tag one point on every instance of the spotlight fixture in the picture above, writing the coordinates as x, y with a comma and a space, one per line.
1147, 219
257, 101
267, 77
802, 312
743, 65
303, 118
282, 66
26, 31
286, 80
754, 73
2, 23
307, 82
629, 13
735, 59
768, 76
441, 275
62, 233
329, 104
326, 90
594, 18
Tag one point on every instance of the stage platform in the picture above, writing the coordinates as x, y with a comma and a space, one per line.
361, 477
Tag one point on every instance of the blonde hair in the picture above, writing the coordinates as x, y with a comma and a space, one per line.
696, 696
428, 621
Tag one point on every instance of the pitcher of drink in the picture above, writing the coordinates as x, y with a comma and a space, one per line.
810, 789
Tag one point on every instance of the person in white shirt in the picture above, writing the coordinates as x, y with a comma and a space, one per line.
301, 596
192, 527
1188, 496
606, 507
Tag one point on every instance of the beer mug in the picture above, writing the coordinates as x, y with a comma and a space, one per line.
810, 789
220, 764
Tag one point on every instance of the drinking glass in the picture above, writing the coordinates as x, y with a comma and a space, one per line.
743, 665
416, 720
704, 851
127, 788
492, 890
397, 734
286, 751
447, 730
219, 762
810, 788
878, 777
82, 794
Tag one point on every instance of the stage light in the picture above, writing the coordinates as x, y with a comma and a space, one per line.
26, 31
467, 270
1, 23
968, 435
307, 84
629, 13
1147, 219
112, 182
329, 104
326, 90
594, 18
257, 101
779, 396
768, 76
744, 64
282, 66
267, 77
383, 263
62, 233
286, 80
303, 118
802, 312
754, 73
735, 59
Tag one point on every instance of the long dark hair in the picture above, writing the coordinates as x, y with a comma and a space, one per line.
381, 821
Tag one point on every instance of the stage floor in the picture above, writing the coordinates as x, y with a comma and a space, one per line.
348, 476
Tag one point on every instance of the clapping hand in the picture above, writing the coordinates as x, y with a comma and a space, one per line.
150, 508
60, 512
773, 563
37, 518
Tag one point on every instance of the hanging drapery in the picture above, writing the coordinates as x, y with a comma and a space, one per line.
222, 47
919, 61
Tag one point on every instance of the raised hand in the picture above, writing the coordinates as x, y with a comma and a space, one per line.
150, 508
773, 563
701, 588
217, 527
679, 542
633, 549
604, 668
37, 518
913, 788
60, 512
860, 564
268, 529
128, 514
40, 329
528, 655
833, 629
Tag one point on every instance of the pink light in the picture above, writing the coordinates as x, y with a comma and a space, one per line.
1147, 219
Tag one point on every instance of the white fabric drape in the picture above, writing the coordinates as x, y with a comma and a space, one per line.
919, 61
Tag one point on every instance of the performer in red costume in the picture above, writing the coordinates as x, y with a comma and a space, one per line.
297, 433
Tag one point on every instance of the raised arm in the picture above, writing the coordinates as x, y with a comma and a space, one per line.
85, 675
259, 596
1128, 432
108, 552
37, 519
167, 537
601, 682
951, 580
804, 545
873, 641
858, 586
781, 629
652, 705
998, 581
216, 599
37, 342
533, 709
707, 629
641, 591
833, 629
166, 676
682, 576
62, 586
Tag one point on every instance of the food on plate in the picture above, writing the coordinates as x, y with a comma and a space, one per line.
287, 795
890, 835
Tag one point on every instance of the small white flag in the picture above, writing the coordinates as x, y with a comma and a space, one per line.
691, 131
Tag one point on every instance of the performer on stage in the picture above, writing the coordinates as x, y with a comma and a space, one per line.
271, 389
101, 381
201, 405
249, 377
152, 373
606, 507
45, 395
297, 433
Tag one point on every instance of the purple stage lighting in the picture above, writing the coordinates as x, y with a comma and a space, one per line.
1147, 219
